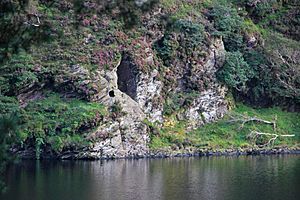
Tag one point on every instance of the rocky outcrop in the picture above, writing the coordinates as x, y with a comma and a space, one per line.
126, 137
208, 107
134, 95
210, 104
77, 81
137, 89
149, 95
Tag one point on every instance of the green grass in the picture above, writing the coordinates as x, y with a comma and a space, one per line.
183, 9
225, 135
54, 122
58, 122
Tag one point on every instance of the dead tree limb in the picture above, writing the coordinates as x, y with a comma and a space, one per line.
238, 118
245, 119
256, 134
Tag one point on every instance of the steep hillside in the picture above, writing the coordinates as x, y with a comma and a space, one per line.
106, 79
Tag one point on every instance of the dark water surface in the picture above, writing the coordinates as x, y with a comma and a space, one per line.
260, 177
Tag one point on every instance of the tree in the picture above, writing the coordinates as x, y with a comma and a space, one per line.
236, 71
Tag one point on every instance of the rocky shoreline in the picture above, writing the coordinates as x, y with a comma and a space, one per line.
90, 155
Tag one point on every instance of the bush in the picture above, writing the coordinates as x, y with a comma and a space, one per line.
236, 72
166, 47
191, 38
264, 7
17, 74
128, 11
228, 24
8, 105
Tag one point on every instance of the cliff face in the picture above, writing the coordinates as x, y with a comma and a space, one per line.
87, 86
138, 96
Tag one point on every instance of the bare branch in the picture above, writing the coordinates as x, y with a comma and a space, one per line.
245, 119
256, 134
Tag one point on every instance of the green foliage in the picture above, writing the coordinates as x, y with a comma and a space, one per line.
228, 24
172, 133
166, 48
265, 78
54, 115
264, 7
8, 105
182, 9
20, 28
8, 127
277, 74
236, 71
278, 15
285, 71
59, 142
59, 122
259, 86
191, 34
17, 74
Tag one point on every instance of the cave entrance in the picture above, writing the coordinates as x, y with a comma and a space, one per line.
111, 93
127, 76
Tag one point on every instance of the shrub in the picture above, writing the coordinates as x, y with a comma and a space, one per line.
264, 7
236, 71
191, 38
228, 24
17, 29
128, 11
8, 105
166, 47
17, 74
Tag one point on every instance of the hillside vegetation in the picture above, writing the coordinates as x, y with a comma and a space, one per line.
230, 132
50, 51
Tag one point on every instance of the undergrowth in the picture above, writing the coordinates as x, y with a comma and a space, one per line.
54, 121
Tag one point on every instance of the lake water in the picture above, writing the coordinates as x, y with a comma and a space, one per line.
224, 178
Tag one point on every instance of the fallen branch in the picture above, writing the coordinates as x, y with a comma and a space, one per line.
245, 119
256, 134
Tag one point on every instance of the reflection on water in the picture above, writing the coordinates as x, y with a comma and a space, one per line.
226, 178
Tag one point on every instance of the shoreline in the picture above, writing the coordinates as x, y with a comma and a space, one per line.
153, 154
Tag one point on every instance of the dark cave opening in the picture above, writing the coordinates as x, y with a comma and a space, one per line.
127, 76
111, 93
